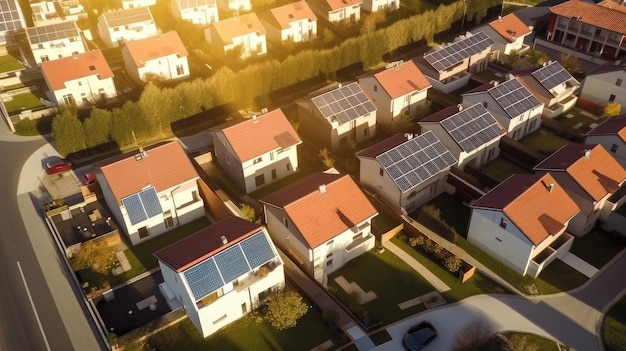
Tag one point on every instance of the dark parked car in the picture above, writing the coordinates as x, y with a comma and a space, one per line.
60, 166
419, 335
89, 178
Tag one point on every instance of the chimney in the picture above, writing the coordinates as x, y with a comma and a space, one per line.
224, 240
254, 119
459, 107
322, 189
550, 187
587, 154
408, 136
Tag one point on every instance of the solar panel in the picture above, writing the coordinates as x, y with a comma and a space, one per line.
257, 250
232, 263
552, 75
150, 202
51, 32
472, 127
513, 97
345, 103
124, 17
409, 170
458, 51
142, 205
203, 278
10, 18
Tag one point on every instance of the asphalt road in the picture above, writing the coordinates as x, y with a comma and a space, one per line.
39, 308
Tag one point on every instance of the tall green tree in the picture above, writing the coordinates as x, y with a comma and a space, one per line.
68, 133
97, 128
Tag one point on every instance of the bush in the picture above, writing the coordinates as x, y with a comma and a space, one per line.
452, 263
284, 309
473, 336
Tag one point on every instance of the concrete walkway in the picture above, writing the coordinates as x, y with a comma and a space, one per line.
578, 264
418, 267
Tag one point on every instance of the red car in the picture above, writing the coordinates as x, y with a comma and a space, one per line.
89, 178
60, 166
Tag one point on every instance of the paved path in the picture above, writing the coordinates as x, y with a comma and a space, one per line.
578, 264
423, 271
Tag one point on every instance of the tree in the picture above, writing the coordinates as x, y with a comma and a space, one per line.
570, 63
248, 213
536, 57
97, 128
472, 336
519, 342
68, 133
328, 161
285, 308
612, 109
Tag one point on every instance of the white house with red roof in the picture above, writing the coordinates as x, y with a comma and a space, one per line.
605, 84
258, 151
294, 22
508, 33
611, 134
200, 12
131, 4
380, 5
337, 118
592, 30
81, 79
221, 273
163, 55
470, 133
55, 41
234, 7
522, 222
245, 33
118, 27
406, 170
151, 191
321, 222
398, 91
52, 11
337, 10
592, 178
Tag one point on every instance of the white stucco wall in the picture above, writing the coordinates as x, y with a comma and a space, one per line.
348, 13
380, 5
88, 88
58, 49
201, 15
165, 66
607, 141
598, 88
133, 31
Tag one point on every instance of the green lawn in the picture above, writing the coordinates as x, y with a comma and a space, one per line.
21, 102
496, 343
577, 119
9, 63
544, 141
596, 247
501, 169
614, 327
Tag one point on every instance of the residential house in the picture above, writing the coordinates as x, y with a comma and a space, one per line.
612, 135
593, 32
131, 4
200, 12
380, 5
406, 170
322, 222
605, 84
257, 151
234, 7
54, 11
591, 176
151, 191
471, 134
80, 80
11, 20
510, 103
398, 91
118, 27
55, 41
508, 34
221, 273
163, 55
336, 118
293, 22
449, 67
522, 222
337, 10
552, 85
244, 33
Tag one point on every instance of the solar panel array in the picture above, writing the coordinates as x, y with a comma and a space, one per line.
142, 205
416, 160
346, 103
458, 51
513, 97
124, 17
552, 75
192, 4
472, 127
226, 266
9, 16
52, 32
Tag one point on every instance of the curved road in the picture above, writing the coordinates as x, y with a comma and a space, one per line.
40, 308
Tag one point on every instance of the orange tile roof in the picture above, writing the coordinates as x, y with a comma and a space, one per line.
614, 125
84, 65
165, 166
339, 4
206, 243
613, 5
598, 174
402, 79
322, 216
590, 13
285, 15
162, 45
510, 27
254, 137
238, 26
530, 205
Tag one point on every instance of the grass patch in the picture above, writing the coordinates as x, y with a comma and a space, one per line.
9, 63
559, 276
577, 119
496, 343
22, 102
545, 141
501, 169
614, 327
384, 223
596, 248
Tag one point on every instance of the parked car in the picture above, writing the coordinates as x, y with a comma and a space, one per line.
419, 335
60, 166
89, 178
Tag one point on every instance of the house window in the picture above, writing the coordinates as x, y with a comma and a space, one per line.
69, 99
220, 319
356, 237
39, 46
257, 160
288, 167
271, 156
375, 88
329, 263
618, 82
612, 98
366, 132
263, 295
285, 222
167, 219
259, 180
116, 29
194, 195
613, 148
500, 240
330, 242
412, 194
143, 232
380, 171
329, 255
244, 308
44, 58
502, 223
227, 158
80, 84
180, 70
485, 104
273, 174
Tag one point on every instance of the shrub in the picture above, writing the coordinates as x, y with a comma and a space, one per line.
416, 241
452, 263
284, 309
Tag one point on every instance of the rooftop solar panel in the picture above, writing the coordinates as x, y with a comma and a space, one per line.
51, 32
472, 127
551, 75
513, 97
458, 51
203, 278
124, 17
142, 205
232, 263
408, 170
344, 103
257, 250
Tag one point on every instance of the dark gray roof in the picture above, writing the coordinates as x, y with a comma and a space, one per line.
56, 31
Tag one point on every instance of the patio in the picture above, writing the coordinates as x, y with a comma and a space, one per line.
84, 223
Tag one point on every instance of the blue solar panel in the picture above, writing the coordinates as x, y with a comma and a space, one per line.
134, 208
203, 278
257, 250
232, 263
150, 202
